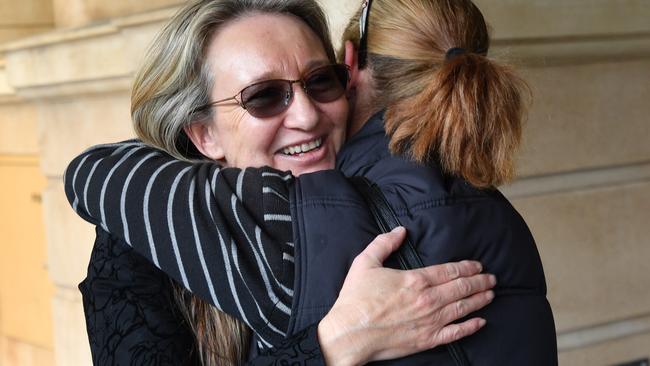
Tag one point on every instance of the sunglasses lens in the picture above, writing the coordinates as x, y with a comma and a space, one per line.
267, 99
270, 98
327, 84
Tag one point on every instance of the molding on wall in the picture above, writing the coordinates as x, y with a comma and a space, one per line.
578, 180
41, 65
567, 341
107, 27
573, 49
75, 88
99, 58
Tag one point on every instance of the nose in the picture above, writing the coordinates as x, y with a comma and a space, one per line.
302, 114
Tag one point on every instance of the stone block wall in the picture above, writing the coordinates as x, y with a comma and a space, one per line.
584, 168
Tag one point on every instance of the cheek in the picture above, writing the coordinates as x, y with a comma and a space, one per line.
248, 141
231, 134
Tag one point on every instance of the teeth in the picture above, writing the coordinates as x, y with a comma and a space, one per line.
303, 148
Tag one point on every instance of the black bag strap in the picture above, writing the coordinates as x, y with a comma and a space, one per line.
406, 255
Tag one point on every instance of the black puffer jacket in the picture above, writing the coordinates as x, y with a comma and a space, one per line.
449, 220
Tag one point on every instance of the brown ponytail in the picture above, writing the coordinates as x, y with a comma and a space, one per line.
468, 116
465, 112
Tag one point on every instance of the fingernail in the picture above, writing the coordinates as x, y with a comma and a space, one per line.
479, 266
490, 295
398, 229
493, 280
481, 322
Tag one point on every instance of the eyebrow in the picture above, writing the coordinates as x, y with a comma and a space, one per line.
272, 75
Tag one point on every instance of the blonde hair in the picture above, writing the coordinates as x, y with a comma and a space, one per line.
465, 111
173, 82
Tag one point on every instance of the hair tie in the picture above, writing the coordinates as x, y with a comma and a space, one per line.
454, 52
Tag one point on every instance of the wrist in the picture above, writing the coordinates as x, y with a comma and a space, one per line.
338, 345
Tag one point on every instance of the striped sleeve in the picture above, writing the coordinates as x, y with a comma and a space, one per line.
224, 234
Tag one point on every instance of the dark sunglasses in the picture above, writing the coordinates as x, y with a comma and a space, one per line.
363, 34
271, 97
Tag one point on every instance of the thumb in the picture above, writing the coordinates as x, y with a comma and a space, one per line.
379, 249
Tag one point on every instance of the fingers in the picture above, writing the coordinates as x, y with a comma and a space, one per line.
454, 332
461, 288
443, 273
379, 249
461, 308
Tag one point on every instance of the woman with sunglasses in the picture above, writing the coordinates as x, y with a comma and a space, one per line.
224, 233
447, 106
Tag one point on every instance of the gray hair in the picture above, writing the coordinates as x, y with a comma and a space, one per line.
175, 80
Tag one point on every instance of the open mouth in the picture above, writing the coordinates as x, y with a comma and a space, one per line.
303, 148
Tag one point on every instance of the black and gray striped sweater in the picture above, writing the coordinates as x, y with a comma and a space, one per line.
244, 265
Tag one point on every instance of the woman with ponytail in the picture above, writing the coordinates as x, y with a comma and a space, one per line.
424, 87
435, 125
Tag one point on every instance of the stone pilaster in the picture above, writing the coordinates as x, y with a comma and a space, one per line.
76, 83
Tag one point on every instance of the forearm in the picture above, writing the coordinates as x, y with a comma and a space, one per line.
222, 233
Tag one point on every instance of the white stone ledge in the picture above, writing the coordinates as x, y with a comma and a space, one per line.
107, 27
5, 88
559, 18
580, 338
578, 180
120, 83
572, 50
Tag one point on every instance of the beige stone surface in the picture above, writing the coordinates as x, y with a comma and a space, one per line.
18, 129
70, 239
23, 18
615, 352
586, 116
542, 19
25, 288
71, 343
25, 12
6, 90
595, 248
71, 125
70, 13
17, 353
339, 13
9, 34
100, 56
96, 59
77, 13
100, 9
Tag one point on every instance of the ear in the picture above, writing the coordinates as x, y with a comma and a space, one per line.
205, 139
352, 60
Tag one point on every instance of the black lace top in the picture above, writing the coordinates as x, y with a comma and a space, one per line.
132, 318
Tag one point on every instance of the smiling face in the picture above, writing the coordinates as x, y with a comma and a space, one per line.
303, 138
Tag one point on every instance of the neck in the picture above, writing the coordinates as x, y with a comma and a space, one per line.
359, 119
363, 106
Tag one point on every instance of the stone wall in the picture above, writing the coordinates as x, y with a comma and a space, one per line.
584, 169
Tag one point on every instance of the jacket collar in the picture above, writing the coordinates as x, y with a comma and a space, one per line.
365, 147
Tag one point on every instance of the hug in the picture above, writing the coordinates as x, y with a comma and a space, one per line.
233, 227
